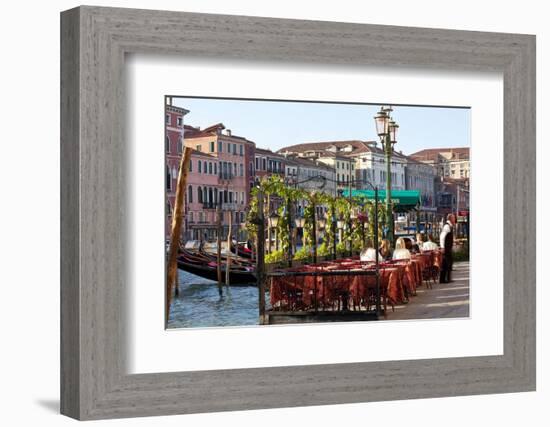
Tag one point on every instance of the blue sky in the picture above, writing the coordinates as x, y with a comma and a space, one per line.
275, 124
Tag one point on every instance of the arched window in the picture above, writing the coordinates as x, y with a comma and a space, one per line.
199, 194
167, 144
168, 179
180, 145
190, 194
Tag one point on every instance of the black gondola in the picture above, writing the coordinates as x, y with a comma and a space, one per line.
237, 277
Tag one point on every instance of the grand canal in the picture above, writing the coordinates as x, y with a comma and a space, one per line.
200, 305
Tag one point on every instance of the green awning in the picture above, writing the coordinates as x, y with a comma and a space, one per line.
403, 200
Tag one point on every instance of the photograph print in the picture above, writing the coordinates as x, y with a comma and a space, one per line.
289, 212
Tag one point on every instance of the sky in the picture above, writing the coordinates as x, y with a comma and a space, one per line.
276, 124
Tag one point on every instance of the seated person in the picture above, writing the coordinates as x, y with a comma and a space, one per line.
385, 249
417, 243
429, 244
369, 254
401, 251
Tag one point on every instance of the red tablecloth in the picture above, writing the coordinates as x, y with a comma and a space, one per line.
397, 281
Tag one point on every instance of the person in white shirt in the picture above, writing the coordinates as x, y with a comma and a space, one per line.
429, 245
368, 254
401, 251
446, 239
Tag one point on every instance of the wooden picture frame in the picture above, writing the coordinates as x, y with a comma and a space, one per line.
94, 41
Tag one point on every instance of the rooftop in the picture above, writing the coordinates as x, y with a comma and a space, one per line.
432, 154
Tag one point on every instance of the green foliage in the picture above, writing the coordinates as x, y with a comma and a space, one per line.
341, 248
283, 234
324, 250
275, 257
302, 254
381, 219
309, 217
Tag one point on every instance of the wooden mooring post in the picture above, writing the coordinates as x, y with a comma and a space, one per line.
177, 219
260, 259
228, 266
219, 248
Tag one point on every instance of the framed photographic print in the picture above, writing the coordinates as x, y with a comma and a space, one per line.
277, 213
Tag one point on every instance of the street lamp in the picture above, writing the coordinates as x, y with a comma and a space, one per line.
387, 128
273, 221
352, 217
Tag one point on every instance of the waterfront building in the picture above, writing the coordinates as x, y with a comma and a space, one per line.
232, 156
448, 162
361, 160
174, 142
268, 163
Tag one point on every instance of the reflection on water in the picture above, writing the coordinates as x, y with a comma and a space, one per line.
200, 305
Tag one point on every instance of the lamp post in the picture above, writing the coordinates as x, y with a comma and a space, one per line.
290, 235
386, 128
273, 221
300, 221
333, 224
340, 224
352, 217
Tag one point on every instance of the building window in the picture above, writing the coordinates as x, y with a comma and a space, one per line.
242, 198
241, 152
264, 164
229, 147
199, 148
215, 168
190, 165
241, 169
168, 208
180, 121
220, 146
211, 146
235, 149
210, 168
190, 194
199, 194
200, 166
168, 179
167, 144
257, 163
167, 119
180, 145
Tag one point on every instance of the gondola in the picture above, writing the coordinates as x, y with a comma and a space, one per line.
238, 276
241, 250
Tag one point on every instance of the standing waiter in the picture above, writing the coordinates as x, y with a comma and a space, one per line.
446, 243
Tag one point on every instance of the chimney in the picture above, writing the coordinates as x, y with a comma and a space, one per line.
228, 132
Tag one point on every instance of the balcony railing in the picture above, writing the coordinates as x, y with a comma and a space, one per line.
226, 175
229, 206
209, 205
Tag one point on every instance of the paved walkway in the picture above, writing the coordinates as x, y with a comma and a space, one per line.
444, 300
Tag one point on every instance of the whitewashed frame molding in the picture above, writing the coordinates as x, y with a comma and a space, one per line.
94, 381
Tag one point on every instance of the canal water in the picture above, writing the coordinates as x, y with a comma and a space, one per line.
199, 304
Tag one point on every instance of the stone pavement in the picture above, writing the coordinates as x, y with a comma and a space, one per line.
446, 300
